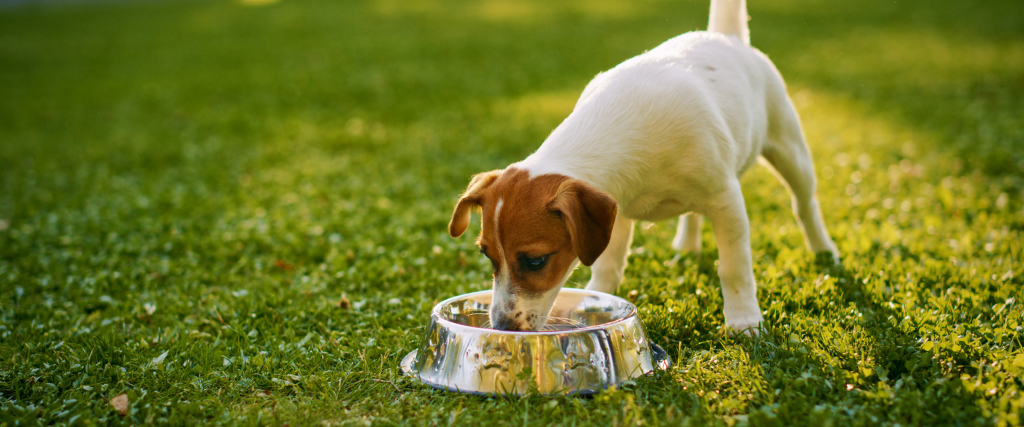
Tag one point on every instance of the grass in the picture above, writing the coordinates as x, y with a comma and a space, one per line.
191, 191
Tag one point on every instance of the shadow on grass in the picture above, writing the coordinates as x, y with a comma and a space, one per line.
898, 371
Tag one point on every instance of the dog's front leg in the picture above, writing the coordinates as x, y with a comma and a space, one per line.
608, 269
728, 216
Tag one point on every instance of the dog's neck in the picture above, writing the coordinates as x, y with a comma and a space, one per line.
584, 148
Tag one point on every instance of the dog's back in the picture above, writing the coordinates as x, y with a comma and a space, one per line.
696, 108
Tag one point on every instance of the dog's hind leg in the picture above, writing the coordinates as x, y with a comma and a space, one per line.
688, 233
610, 266
728, 216
789, 157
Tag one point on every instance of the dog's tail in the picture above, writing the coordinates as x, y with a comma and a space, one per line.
729, 17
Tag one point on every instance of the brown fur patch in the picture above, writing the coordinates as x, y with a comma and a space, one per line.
550, 215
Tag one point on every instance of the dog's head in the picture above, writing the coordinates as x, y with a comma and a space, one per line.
535, 232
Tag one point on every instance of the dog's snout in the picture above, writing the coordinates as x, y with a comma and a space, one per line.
508, 322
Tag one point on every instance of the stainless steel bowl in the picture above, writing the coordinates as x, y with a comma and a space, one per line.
592, 341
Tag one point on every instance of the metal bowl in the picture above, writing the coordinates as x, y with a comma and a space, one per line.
592, 340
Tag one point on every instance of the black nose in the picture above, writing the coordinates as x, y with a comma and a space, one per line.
506, 323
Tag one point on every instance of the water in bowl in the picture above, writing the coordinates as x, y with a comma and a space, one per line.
482, 319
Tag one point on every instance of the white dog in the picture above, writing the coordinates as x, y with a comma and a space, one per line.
664, 134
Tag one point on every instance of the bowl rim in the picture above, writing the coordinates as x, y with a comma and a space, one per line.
448, 324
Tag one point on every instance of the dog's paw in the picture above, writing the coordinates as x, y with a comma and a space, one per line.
827, 258
744, 323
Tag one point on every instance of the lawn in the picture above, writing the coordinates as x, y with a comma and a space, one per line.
235, 213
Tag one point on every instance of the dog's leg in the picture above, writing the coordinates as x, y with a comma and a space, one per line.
728, 216
688, 233
608, 269
792, 163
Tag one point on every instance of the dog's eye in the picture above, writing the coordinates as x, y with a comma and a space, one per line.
533, 264
483, 250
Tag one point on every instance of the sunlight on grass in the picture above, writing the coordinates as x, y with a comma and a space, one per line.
519, 11
915, 55
898, 190
258, 2
539, 109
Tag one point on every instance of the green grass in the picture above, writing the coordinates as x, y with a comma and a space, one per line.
189, 189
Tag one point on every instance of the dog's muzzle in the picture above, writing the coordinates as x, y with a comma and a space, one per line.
505, 322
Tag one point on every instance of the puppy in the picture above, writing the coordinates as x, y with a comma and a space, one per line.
664, 134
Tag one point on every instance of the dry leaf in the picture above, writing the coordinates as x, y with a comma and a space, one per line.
344, 303
120, 404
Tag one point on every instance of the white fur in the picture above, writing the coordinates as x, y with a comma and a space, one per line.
503, 277
502, 280
670, 132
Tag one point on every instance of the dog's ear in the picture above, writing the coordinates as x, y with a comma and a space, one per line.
470, 199
589, 214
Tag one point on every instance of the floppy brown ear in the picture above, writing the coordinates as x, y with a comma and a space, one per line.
470, 199
589, 214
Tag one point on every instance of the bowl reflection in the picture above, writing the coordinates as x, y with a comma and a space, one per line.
592, 340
